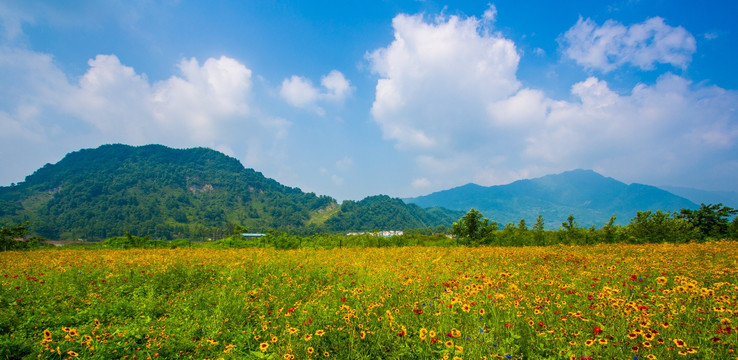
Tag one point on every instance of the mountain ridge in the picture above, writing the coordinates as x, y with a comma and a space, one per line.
591, 197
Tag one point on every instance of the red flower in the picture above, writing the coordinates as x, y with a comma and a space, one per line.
434, 340
418, 311
597, 330
343, 299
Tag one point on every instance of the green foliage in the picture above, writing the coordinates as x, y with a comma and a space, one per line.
658, 227
472, 229
166, 193
12, 237
709, 220
385, 213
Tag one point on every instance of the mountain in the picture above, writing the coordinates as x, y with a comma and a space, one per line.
589, 196
182, 193
727, 198
385, 213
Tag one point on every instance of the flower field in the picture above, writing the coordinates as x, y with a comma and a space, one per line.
659, 301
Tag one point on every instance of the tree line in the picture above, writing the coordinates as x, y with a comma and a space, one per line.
709, 222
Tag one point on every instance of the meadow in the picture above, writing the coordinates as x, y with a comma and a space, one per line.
615, 301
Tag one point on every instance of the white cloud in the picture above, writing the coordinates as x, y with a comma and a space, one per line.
206, 104
642, 45
345, 163
336, 85
490, 15
193, 108
436, 79
447, 95
421, 183
300, 92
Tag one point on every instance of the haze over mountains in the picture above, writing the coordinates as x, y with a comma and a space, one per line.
171, 193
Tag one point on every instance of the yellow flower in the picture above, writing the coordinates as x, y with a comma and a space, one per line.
264, 346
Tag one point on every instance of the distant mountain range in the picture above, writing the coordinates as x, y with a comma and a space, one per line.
589, 196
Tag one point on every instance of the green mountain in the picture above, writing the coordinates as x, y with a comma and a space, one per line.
152, 190
384, 213
184, 193
589, 196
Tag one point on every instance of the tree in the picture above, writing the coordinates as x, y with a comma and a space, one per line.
8, 236
709, 220
538, 230
570, 224
473, 229
572, 234
657, 227
608, 231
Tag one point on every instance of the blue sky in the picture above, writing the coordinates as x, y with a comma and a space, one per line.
358, 98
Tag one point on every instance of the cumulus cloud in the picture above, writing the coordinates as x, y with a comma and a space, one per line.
436, 78
205, 104
300, 92
192, 107
448, 95
642, 45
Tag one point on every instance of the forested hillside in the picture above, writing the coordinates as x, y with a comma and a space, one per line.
384, 213
170, 193
152, 190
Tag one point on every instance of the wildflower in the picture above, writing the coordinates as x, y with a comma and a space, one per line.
72, 353
213, 342
597, 330
362, 335
449, 343
589, 342
310, 350
320, 333
308, 337
326, 354
264, 346
679, 343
